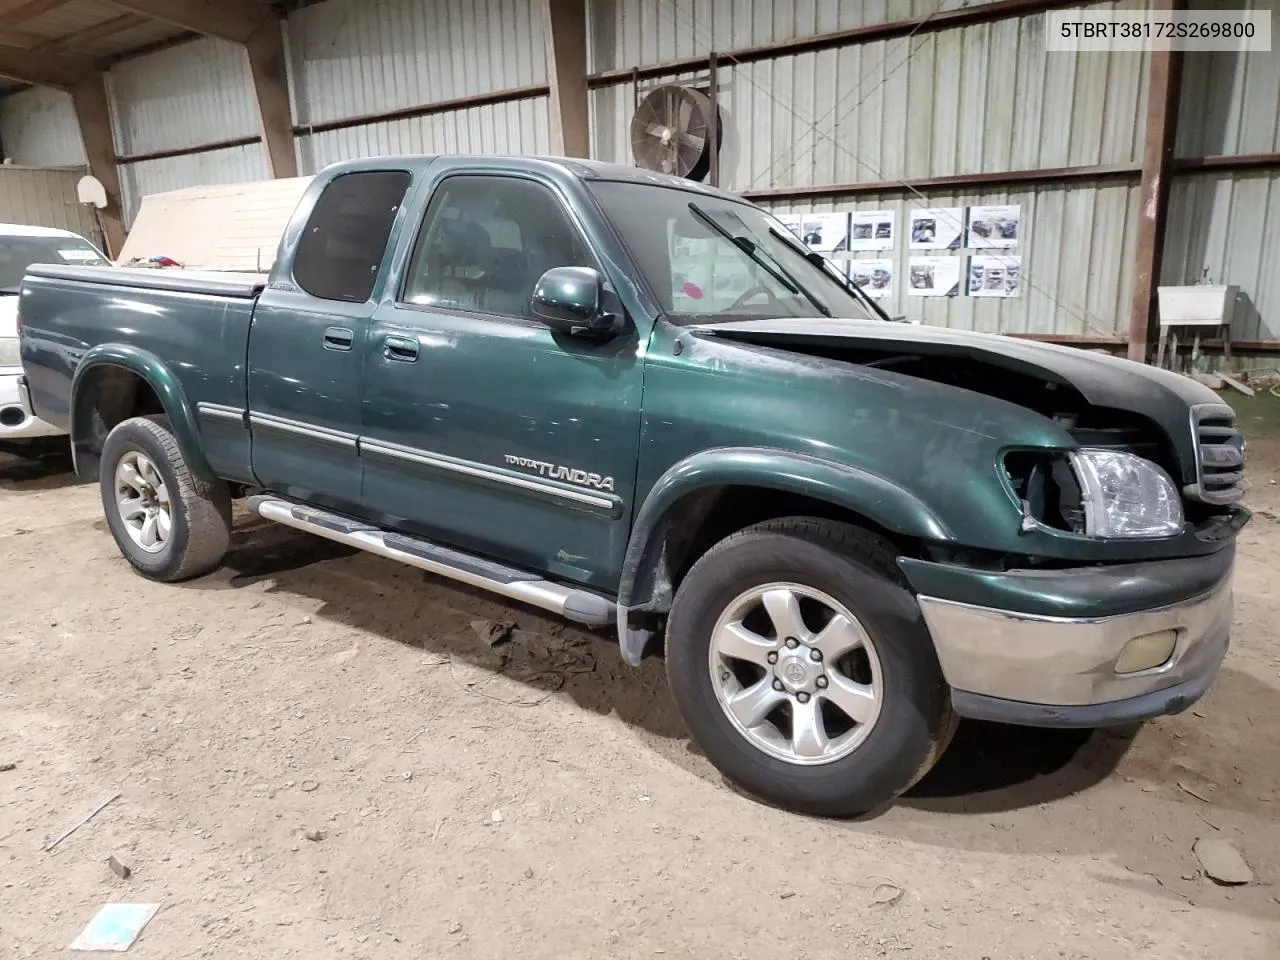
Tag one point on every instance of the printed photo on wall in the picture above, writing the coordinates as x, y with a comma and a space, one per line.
995, 276
933, 277
825, 232
875, 277
937, 228
872, 230
994, 227
791, 221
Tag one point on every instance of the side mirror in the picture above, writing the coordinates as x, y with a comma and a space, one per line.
571, 300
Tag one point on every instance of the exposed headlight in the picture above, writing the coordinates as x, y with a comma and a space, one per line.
1126, 496
10, 356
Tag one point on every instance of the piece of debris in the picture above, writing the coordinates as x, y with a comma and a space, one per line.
306, 620
1210, 380
1221, 861
309, 786
121, 870
115, 927
528, 873
886, 894
82, 821
1236, 385
1199, 796
455, 927
493, 632
7, 767
496, 816
315, 836
786, 894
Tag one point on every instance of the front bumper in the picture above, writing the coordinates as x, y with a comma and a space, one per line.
1041, 669
17, 422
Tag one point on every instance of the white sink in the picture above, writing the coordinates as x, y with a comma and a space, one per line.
1195, 305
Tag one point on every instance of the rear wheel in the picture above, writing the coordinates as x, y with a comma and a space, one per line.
803, 668
169, 524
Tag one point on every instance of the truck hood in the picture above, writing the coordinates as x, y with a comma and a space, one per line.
1103, 381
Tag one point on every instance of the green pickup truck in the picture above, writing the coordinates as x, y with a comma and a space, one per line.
641, 403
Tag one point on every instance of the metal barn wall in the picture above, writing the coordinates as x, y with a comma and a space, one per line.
983, 98
46, 197
1228, 224
38, 128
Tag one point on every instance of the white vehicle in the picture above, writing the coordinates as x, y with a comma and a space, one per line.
21, 246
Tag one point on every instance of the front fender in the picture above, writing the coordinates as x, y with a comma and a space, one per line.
879, 500
152, 371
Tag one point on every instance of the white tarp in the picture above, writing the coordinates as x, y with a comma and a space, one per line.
233, 226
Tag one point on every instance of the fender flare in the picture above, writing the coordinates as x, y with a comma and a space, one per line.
880, 500
152, 371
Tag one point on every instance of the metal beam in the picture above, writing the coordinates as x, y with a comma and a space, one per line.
99, 31
1164, 72
270, 77
43, 69
234, 20
566, 27
89, 97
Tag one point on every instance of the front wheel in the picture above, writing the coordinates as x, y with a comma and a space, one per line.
803, 668
169, 524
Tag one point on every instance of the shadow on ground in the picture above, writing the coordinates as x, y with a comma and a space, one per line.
988, 768
37, 467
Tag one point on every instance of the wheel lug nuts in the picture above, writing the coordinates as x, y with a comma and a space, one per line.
822, 683
773, 657
777, 684
815, 654
802, 697
792, 642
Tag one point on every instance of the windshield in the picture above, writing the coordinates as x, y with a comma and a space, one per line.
18, 253
707, 258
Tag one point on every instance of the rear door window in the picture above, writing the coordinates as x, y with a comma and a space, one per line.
346, 235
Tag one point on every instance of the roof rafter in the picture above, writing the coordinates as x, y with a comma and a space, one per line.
234, 20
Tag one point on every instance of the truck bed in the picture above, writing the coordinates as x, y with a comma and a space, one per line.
195, 320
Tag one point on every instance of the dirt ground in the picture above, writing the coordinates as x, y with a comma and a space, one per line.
555, 808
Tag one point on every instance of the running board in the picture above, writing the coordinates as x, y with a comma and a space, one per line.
581, 606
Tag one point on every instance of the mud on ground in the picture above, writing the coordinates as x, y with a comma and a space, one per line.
544, 801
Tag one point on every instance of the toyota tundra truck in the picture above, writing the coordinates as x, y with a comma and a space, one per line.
641, 403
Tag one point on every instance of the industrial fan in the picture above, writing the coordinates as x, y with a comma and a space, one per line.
672, 129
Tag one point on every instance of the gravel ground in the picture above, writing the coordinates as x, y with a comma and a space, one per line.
542, 800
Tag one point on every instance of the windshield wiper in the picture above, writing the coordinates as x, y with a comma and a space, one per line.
751, 249
819, 261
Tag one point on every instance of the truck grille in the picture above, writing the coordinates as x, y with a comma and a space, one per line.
1219, 455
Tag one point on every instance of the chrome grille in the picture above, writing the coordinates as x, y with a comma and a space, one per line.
1219, 455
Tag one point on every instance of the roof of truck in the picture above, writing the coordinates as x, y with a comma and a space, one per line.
583, 169
26, 230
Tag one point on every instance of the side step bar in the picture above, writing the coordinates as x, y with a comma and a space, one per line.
581, 606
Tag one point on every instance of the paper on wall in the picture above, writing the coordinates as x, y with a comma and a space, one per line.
875, 277
825, 232
994, 227
933, 277
872, 230
995, 276
937, 228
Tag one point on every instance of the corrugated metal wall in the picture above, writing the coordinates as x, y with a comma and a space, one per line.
1226, 227
38, 128
45, 197
978, 99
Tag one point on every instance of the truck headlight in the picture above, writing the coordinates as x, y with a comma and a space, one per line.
10, 356
1125, 496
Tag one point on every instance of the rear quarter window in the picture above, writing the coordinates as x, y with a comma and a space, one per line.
346, 235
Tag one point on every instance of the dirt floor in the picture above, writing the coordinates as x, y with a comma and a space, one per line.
556, 809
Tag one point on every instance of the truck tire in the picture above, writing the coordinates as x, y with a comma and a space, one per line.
803, 668
169, 524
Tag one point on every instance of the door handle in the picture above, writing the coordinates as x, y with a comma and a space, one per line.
338, 338
404, 349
